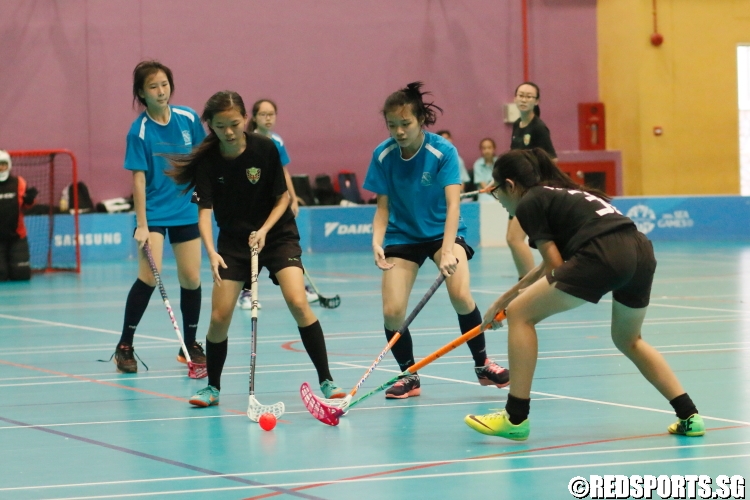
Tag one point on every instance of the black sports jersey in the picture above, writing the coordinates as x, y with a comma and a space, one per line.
568, 217
243, 191
534, 135
11, 219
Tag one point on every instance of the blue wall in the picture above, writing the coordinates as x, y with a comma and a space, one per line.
107, 237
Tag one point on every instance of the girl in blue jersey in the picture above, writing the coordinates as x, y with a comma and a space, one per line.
588, 249
416, 177
161, 208
239, 180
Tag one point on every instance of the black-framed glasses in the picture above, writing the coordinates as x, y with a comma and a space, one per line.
496, 193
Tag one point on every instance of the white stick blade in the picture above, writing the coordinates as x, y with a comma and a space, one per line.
255, 409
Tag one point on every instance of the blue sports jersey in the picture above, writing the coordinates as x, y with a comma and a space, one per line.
276, 138
415, 189
165, 203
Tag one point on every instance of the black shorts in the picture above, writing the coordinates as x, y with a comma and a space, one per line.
621, 262
282, 250
177, 234
419, 252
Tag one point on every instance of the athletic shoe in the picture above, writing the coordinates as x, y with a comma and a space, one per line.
245, 300
208, 396
407, 387
498, 424
692, 426
124, 359
492, 374
311, 295
197, 355
331, 391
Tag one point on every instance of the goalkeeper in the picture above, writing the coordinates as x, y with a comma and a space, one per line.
14, 247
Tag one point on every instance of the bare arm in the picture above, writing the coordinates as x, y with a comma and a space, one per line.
551, 259
379, 225
139, 202
205, 226
293, 201
448, 261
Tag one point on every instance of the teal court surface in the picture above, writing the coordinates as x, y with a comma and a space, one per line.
71, 427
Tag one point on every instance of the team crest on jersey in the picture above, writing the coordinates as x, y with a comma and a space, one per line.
253, 174
426, 178
186, 137
526, 139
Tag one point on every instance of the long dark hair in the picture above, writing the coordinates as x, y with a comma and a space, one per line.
256, 107
413, 95
184, 167
537, 111
143, 70
534, 167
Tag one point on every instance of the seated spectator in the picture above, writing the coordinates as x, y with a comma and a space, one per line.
483, 168
465, 177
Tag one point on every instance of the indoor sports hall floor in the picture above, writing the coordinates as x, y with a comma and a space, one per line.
71, 427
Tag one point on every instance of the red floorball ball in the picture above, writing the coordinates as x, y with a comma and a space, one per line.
267, 421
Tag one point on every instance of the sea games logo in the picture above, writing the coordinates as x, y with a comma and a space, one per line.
645, 219
342, 229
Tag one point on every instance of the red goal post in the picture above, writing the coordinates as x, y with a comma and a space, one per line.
52, 229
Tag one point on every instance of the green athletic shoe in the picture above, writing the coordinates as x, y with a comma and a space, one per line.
331, 390
498, 424
692, 426
208, 396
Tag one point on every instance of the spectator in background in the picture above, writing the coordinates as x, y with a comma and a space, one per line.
14, 247
483, 167
529, 132
465, 177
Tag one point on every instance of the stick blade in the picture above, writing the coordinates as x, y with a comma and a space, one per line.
197, 370
255, 409
330, 303
326, 413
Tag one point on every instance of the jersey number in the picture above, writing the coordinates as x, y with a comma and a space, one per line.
608, 209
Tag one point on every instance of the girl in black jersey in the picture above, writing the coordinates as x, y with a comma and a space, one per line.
588, 249
238, 176
529, 132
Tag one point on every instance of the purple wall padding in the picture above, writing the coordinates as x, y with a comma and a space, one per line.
66, 70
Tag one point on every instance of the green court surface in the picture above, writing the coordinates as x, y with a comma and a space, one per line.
71, 427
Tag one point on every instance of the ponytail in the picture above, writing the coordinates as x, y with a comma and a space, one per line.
185, 167
534, 167
412, 94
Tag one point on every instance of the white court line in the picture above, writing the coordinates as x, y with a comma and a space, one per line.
573, 398
79, 327
395, 465
298, 412
419, 476
352, 364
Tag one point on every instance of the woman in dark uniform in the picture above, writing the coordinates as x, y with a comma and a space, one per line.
239, 178
588, 249
529, 132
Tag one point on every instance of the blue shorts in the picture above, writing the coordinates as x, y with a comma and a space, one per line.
177, 234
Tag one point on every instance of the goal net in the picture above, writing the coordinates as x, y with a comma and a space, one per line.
52, 227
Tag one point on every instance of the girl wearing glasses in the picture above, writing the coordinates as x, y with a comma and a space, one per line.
588, 249
529, 132
416, 177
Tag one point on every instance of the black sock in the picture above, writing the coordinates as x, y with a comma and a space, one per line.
683, 406
315, 345
477, 344
216, 355
190, 306
135, 306
517, 408
403, 349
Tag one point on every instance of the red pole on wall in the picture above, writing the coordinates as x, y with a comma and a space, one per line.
525, 37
